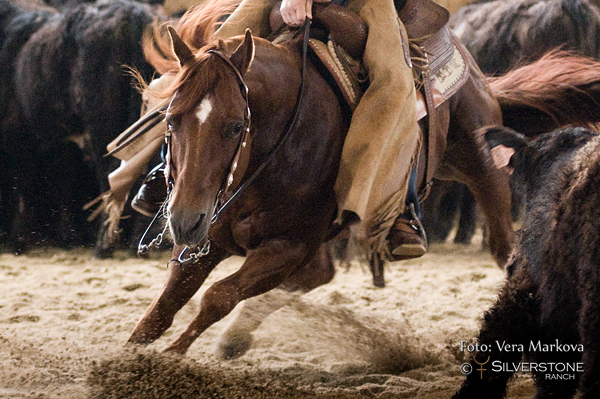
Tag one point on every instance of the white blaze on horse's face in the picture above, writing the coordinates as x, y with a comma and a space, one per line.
204, 109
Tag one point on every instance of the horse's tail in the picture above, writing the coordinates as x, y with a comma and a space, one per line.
559, 89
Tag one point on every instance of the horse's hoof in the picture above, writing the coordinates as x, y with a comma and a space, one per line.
229, 348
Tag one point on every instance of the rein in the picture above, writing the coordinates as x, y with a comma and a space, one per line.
219, 209
138, 129
283, 138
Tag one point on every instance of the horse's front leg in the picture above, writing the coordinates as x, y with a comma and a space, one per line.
181, 286
265, 268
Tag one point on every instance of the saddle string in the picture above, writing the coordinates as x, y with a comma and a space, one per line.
194, 256
154, 119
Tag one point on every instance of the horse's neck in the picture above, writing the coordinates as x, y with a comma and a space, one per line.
273, 81
309, 148
276, 69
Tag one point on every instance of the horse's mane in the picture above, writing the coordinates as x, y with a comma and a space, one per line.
197, 30
528, 86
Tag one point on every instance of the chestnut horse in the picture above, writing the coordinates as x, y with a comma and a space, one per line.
285, 214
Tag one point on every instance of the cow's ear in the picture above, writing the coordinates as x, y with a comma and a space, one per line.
505, 145
502, 156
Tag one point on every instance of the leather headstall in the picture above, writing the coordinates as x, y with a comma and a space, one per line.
243, 144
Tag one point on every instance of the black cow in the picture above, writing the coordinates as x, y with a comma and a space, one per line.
549, 309
18, 158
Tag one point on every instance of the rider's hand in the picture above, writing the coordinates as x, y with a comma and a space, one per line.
294, 12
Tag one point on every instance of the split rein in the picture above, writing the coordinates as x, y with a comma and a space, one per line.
185, 259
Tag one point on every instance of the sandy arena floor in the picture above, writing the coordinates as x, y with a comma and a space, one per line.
65, 316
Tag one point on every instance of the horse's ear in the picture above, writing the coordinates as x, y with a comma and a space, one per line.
242, 56
181, 50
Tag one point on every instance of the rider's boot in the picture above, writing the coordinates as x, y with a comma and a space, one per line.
407, 239
152, 193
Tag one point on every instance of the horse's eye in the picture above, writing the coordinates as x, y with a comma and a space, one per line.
169, 121
173, 121
234, 129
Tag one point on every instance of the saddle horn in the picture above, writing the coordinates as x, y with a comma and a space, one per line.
345, 27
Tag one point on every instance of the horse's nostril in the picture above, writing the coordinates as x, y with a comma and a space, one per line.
198, 223
187, 228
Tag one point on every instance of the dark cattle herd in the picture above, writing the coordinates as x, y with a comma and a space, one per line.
66, 94
67, 90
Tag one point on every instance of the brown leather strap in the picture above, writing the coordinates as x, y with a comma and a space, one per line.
430, 136
403, 224
406, 48
305, 29
243, 151
408, 10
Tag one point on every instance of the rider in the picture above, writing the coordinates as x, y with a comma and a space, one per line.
383, 141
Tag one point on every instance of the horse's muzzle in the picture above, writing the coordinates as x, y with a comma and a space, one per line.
188, 228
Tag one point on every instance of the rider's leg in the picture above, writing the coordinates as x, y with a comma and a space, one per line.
153, 192
383, 139
251, 14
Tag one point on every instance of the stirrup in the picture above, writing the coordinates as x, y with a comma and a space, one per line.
410, 237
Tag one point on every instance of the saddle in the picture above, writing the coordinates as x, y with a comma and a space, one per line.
421, 18
438, 62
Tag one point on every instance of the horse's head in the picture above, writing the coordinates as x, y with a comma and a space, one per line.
207, 118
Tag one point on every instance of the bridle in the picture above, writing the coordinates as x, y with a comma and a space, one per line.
243, 144
203, 250
220, 204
